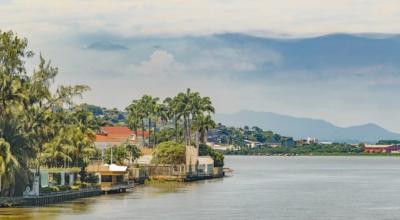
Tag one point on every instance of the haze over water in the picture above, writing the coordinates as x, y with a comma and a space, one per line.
260, 188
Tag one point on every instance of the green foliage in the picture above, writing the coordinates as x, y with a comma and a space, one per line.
122, 153
33, 121
388, 142
237, 136
186, 112
218, 157
312, 149
169, 152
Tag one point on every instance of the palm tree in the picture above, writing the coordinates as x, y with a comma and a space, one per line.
173, 113
133, 118
160, 113
134, 152
190, 105
136, 116
203, 123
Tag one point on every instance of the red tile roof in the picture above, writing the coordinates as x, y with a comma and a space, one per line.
117, 134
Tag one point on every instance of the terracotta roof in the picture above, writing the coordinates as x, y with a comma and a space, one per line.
116, 134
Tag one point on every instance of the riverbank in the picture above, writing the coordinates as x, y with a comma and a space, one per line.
63, 196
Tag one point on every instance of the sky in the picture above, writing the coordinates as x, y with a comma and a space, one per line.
241, 53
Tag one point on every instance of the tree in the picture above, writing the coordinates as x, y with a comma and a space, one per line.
218, 157
133, 151
30, 111
174, 113
160, 113
189, 105
8, 165
169, 152
134, 117
203, 124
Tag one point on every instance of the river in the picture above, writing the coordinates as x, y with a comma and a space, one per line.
260, 188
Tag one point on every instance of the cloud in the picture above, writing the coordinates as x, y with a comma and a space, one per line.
160, 63
237, 74
148, 18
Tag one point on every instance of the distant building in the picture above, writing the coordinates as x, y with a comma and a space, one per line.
312, 140
288, 142
380, 148
222, 147
252, 144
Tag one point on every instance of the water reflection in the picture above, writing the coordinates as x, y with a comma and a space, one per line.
360, 188
89, 205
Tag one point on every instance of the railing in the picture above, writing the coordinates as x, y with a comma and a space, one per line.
166, 170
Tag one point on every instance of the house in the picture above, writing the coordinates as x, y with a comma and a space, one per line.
287, 141
111, 176
51, 177
205, 166
312, 140
115, 135
381, 148
221, 147
252, 144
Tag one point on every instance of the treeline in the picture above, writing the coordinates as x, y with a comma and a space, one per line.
237, 136
41, 126
38, 125
308, 149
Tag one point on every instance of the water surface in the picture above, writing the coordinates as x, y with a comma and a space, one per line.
260, 188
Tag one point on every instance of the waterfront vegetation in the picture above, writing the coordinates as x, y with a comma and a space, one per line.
306, 149
169, 152
41, 127
236, 136
188, 112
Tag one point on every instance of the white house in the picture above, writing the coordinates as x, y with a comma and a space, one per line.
252, 144
205, 166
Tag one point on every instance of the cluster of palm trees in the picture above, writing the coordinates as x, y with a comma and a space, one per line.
37, 126
189, 112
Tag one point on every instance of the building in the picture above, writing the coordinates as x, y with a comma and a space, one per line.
111, 177
205, 166
312, 140
252, 144
380, 148
221, 147
287, 141
110, 136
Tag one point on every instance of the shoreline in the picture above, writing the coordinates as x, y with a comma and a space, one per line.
59, 198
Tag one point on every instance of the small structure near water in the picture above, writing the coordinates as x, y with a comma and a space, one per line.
112, 178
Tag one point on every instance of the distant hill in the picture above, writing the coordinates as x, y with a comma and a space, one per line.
307, 127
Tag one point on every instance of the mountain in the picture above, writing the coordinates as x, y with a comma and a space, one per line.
327, 51
106, 46
307, 127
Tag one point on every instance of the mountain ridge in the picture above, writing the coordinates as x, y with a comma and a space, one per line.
303, 127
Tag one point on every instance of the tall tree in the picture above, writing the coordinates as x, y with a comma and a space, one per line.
203, 123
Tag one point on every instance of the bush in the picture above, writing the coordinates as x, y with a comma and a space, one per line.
92, 178
169, 152
64, 188
218, 157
